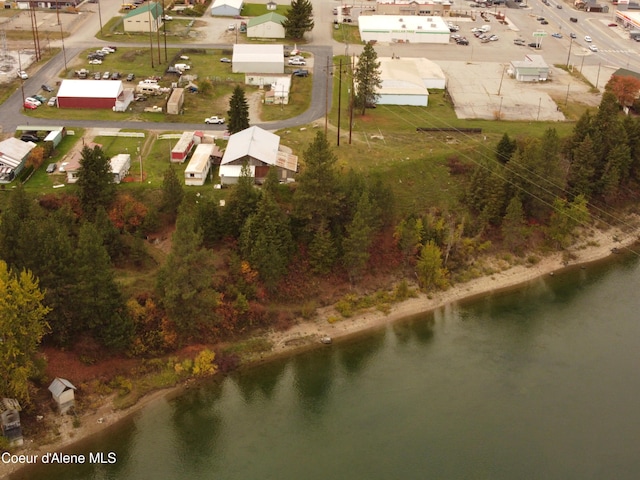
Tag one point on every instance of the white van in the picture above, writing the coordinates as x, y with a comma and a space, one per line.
182, 67
148, 89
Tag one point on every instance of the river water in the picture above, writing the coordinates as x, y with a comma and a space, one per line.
537, 383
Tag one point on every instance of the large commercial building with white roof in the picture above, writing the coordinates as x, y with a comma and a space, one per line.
250, 58
89, 93
403, 29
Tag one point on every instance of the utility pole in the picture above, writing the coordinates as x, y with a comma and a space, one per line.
501, 78
155, 8
339, 99
566, 100
569, 54
150, 36
100, 17
64, 53
326, 100
164, 29
351, 99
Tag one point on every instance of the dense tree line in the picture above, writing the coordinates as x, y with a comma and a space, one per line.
227, 262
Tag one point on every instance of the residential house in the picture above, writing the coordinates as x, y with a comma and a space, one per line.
13, 156
260, 150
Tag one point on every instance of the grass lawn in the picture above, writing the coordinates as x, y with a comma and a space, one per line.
177, 30
346, 33
257, 9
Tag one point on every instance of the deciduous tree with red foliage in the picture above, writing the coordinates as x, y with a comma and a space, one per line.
127, 214
625, 88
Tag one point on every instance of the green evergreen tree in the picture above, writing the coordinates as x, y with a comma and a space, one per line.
487, 192
238, 114
241, 204
367, 78
99, 303
514, 227
581, 176
172, 193
358, 239
565, 218
317, 197
14, 236
632, 128
299, 19
209, 222
95, 181
185, 281
505, 149
266, 242
111, 238
322, 250
616, 170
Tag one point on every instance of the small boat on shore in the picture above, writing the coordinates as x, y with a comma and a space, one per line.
326, 340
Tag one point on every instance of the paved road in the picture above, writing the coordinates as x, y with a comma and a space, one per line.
615, 50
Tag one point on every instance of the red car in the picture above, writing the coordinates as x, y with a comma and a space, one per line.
30, 106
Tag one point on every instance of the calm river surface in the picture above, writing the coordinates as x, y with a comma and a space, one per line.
538, 383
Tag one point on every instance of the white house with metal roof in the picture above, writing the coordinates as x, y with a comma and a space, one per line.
250, 58
120, 165
226, 8
268, 25
63, 393
403, 29
13, 156
146, 18
532, 69
260, 150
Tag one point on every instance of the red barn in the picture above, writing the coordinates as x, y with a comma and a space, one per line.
89, 93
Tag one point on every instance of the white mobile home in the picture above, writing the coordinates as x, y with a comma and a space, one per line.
199, 165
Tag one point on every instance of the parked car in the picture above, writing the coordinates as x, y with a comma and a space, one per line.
534, 45
95, 61
29, 105
167, 18
173, 69
520, 41
35, 101
544, 22
559, 7
462, 41
593, 48
52, 101
29, 138
131, 77
612, 25
225, 60
587, 39
231, 27
97, 76
573, 35
556, 35
46, 88
115, 76
107, 50
106, 75
214, 120
301, 73
573, 19
296, 61
51, 168
23, 75
494, 38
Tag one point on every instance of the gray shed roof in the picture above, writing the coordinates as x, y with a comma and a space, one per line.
255, 142
59, 385
13, 150
9, 404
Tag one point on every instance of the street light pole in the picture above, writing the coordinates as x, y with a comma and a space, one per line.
339, 99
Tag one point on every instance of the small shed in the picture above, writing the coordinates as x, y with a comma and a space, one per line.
226, 8
10, 421
199, 165
63, 393
175, 102
120, 165
269, 25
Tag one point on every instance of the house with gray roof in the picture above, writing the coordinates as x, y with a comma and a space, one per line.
13, 157
260, 150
